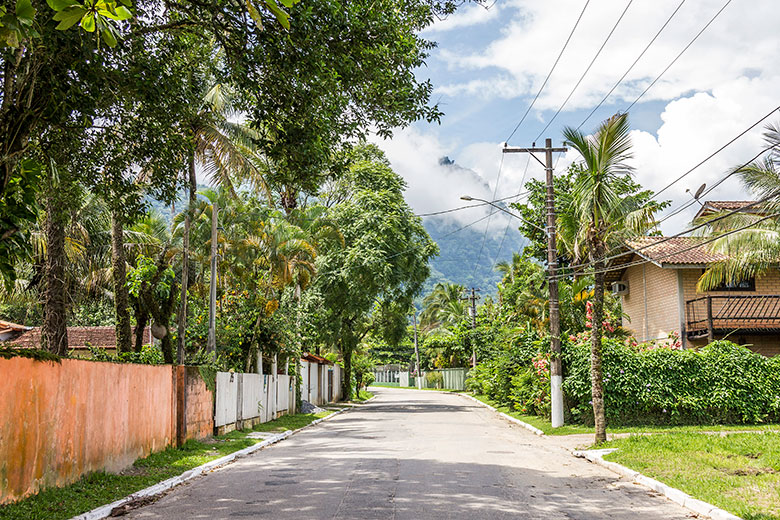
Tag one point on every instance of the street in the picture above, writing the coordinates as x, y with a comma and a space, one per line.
412, 454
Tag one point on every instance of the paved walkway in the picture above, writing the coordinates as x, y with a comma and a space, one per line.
412, 454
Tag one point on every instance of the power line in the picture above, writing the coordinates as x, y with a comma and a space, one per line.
518, 195
633, 64
685, 250
586, 70
490, 214
678, 56
677, 235
506, 229
551, 71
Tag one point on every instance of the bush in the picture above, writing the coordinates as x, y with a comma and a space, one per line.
434, 379
646, 384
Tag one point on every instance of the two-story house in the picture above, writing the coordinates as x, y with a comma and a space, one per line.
657, 285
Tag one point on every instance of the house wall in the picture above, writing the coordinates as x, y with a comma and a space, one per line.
658, 288
767, 284
59, 421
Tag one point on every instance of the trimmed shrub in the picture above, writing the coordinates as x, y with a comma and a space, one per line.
721, 383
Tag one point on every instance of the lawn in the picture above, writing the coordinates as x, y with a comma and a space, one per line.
569, 429
97, 489
739, 472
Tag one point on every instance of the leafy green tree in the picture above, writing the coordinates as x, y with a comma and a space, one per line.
443, 308
602, 218
384, 257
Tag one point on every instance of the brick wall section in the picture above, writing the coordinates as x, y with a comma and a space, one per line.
662, 302
200, 405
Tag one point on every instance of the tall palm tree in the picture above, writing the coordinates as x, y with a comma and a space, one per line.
753, 243
601, 219
219, 146
443, 307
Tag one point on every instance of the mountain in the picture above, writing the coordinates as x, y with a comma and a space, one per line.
458, 261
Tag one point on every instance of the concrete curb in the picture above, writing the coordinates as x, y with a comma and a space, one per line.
508, 417
102, 512
673, 494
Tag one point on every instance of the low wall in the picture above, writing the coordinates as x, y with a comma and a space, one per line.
247, 399
59, 421
195, 405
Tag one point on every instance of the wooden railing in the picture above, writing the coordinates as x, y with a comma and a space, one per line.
707, 314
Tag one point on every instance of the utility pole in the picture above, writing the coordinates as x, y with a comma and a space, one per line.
211, 344
418, 377
556, 368
473, 313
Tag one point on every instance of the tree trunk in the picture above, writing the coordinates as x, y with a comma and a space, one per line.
141, 319
347, 348
119, 276
54, 333
597, 386
185, 260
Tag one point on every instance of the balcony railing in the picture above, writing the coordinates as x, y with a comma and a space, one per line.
707, 315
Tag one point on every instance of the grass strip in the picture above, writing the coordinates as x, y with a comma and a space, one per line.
737, 472
572, 429
99, 488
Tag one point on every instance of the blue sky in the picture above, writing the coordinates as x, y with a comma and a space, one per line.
489, 64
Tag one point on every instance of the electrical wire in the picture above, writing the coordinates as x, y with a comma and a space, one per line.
632, 65
678, 56
490, 214
506, 229
518, 195
555, 64
586, 70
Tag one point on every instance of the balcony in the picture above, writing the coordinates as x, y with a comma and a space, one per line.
710, 315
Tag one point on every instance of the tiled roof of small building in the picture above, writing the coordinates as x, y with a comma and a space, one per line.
78, 337
676, 251
711, 207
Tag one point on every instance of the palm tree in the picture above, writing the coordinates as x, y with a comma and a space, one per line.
443, 307
220, 146
601, 219
753, 243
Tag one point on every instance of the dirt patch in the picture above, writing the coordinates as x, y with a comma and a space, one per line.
134, 471
751, 472
133, 504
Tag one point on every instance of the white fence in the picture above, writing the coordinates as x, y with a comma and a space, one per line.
256, 397
320, 383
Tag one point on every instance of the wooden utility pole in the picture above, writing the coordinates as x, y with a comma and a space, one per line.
418, 377
211, 344
556, 368
473, 313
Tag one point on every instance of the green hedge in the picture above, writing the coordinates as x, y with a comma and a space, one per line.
722, 383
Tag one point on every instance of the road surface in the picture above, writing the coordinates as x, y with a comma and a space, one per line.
412, 454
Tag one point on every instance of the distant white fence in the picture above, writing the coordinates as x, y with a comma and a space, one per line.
253, 398
451, 378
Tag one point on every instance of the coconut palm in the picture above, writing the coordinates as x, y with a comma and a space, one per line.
443, 308
601, 220
753, 243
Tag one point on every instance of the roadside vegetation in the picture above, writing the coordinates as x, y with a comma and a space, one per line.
738, 472
100, 488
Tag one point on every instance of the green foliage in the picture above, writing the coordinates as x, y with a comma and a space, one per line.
38, 355
445, 351
149, 355
18, 210
648, 384
434, 379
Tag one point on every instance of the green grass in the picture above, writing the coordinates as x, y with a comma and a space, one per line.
739, 472
570, 429
365, 395
387, 385
97, 489
395, 385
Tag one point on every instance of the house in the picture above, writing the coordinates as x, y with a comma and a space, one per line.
656, 280
9, 331
320, 379
79, 338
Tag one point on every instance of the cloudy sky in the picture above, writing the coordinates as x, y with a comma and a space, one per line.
490, 63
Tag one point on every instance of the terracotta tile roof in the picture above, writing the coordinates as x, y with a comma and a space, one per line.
315, 359
716, 206
6, 327
78, 337
674, 251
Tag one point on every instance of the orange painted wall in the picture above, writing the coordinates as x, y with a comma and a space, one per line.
59, 421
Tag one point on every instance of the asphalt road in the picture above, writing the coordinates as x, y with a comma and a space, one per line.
417, 455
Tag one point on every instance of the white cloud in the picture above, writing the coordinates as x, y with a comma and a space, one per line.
465, 17
517, 61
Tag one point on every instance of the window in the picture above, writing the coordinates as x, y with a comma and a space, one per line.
745, 285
